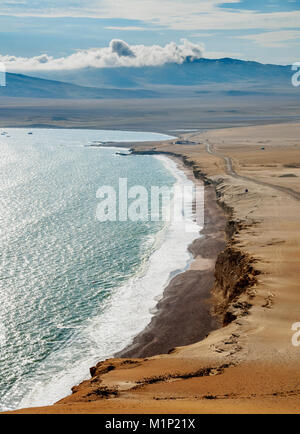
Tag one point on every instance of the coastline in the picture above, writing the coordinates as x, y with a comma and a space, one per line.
202, 318
249, 365
184, 314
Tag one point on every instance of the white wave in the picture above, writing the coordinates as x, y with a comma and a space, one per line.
125, 314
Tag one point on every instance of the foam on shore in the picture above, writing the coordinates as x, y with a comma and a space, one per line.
125, 313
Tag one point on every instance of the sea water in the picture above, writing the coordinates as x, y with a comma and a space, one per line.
74, 290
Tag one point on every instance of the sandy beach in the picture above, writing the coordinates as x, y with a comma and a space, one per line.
184, 313
242, 290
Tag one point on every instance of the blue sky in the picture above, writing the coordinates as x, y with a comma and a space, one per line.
266, 31
265, 6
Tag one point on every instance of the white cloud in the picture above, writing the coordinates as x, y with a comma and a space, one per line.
273, 39
129, 28
223, 54
196, 15
202, 35
119, 53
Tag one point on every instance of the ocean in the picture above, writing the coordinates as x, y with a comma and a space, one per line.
75, 290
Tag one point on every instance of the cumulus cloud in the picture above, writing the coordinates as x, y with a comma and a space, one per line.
121, 48
117, 54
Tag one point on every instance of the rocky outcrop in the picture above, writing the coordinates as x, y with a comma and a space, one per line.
235, 274
234, 278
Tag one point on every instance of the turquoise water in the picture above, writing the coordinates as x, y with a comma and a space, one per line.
73, 290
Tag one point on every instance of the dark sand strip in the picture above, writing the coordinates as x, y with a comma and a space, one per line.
184, 313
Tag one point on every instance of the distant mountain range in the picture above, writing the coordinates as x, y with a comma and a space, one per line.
23, 86
192, 78
190, 73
